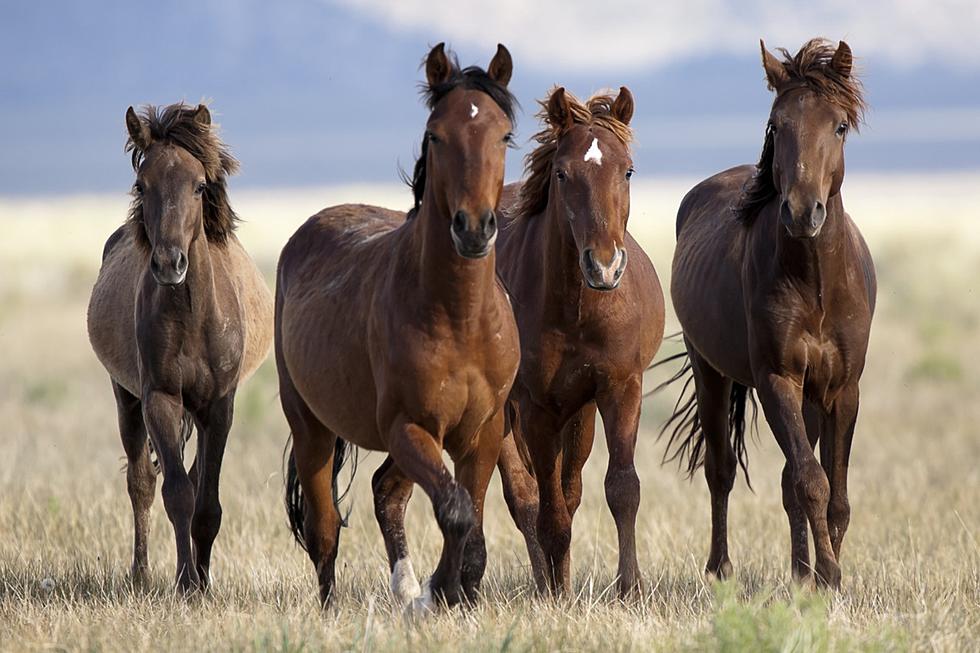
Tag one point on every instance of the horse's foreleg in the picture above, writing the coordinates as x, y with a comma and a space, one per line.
207, 509
521, 496
392, 491
543, 438
782, 401
619, 405
835, 453
419, 457
163, 413
140, 475
473, 472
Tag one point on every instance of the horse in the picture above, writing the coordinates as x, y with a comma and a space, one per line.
774, 287
589, 328
392, 333
179, 317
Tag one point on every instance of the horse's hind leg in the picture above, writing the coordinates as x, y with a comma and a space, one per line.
140, 475
521, 496
216, 423
313, 453
392, 490
835, 452
714, 397
163, 413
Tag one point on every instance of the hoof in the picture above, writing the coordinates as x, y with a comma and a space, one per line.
828, 576
404, 584
719, 572
422, 605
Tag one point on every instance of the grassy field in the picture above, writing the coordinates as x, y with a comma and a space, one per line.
911, 560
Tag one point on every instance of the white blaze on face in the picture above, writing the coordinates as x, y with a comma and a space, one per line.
594, 154
473, 110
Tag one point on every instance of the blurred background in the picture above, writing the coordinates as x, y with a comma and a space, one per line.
324, 92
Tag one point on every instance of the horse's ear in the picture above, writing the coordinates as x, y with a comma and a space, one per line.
843, 60
501, 66
202, 116
622, 106
437, 66
139, 133
776, 74
559, 112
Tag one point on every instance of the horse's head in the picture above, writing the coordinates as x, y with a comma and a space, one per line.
179, 190
817, 103
466, 139
589, 185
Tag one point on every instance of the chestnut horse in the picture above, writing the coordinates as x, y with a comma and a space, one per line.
179, 317
589, 327
395, 335
775, 288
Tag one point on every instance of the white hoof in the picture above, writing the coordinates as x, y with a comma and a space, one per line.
423, 605
404, 585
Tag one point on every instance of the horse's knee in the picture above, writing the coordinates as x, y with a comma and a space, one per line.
178, 494
455, 514
812, 485
206, 523
554, 531
622, 490
720, 468
839, 514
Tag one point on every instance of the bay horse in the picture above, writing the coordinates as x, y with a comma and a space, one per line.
179, 316
395, 335
589, 328
775, 288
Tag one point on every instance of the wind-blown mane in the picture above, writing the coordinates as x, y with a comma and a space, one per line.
811, 69
538, 165
469, 78
176, 124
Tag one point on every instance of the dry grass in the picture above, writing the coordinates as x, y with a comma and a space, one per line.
911, 560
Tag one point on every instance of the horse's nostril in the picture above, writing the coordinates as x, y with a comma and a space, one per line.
459, 222
181, 264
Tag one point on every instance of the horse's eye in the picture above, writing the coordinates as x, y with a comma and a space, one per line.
138, 188
841, 129
771, 127
201, 187
432, 138
629, 173
509, 138
561, 175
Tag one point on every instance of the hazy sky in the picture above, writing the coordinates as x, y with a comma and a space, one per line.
316, 92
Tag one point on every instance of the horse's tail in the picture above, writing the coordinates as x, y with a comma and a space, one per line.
296, 502
186, 431
685, 442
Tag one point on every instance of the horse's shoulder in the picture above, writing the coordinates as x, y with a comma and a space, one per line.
117, 236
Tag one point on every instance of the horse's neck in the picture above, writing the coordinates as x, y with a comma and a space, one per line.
814, 261
462, 288
561, 273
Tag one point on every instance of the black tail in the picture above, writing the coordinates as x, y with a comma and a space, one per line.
296, 502
685, 443
186, 431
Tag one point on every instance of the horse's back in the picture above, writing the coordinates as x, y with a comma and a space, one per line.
706, 281
332, 274
112, 307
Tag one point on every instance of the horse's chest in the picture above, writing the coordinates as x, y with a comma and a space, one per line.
828, 367
561, 373
210, 364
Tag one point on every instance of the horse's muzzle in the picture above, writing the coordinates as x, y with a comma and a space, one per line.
168, 265
603, 276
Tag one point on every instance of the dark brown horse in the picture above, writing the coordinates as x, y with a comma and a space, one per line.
395, 335
179, 317
775, 289
589, 327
